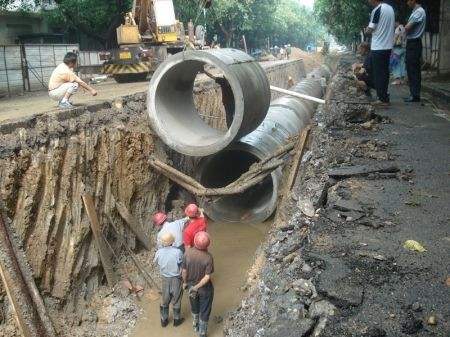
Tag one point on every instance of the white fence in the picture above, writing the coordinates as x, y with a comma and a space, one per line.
28, 67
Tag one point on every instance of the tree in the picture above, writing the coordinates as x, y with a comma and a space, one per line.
97, 19
21, 5
344, 18
283, 21
295, 24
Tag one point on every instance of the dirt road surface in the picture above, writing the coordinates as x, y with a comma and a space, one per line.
39, 102
233, 248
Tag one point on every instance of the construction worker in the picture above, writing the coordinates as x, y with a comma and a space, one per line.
64, 83
197, 267
197, 223
175, 228
169, 259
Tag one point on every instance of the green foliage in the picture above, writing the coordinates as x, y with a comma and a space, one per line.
283, 21
344, 19
97, 19
296, 24
24, 5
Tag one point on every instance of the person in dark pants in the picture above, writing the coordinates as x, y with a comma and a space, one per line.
382, 27
197, 267
414, 31
169, 259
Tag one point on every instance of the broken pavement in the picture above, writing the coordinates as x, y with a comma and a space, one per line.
335, 264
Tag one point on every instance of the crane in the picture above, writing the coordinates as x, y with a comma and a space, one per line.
149, 34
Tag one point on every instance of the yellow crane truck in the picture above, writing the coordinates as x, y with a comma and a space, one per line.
150, 33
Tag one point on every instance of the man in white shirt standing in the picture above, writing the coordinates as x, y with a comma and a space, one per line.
414, 31
382, 27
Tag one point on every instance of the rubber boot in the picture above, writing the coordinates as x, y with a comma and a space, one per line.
177, 319
202, 328
195, 321
164, 311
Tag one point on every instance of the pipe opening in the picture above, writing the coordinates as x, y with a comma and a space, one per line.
177, 112
221, 118
252, 205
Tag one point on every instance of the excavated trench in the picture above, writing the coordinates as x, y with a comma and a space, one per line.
47, 162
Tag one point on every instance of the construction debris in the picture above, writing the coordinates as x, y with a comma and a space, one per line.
360, 170
414, 246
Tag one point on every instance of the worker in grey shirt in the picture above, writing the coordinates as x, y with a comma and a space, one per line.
176, 228
169, 259
414, 31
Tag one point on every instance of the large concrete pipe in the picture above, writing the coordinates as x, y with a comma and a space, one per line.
286, 117
174, 116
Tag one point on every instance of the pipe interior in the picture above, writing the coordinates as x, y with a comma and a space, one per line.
224, 168
176, 110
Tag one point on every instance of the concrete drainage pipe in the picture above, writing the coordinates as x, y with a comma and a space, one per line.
286, 117
174, 116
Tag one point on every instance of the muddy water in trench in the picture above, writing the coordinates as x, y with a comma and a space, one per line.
233, 249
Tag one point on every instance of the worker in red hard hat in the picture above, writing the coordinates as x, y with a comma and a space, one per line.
196, 223
175, 228
197, 267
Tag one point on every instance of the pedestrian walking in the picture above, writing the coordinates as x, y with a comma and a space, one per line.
169, 260
197, 267
175, 228
398, 54
414, 31
196, 223
381, 27
63, 83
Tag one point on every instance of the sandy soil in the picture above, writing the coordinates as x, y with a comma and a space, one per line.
233, 249
311, 60
39, 102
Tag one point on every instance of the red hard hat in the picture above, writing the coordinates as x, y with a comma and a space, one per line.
202, 240
159, 218
191, 211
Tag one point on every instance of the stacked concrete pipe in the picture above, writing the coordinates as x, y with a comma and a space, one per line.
256, 130
287, 117
171, 108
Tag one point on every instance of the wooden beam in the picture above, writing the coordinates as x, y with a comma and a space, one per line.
299, 150
133, 224
105, 255
148, 278
16, 289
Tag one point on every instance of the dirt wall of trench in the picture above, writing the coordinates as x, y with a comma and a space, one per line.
209, 104
47, 161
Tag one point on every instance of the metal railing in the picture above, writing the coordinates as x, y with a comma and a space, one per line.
27, 67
